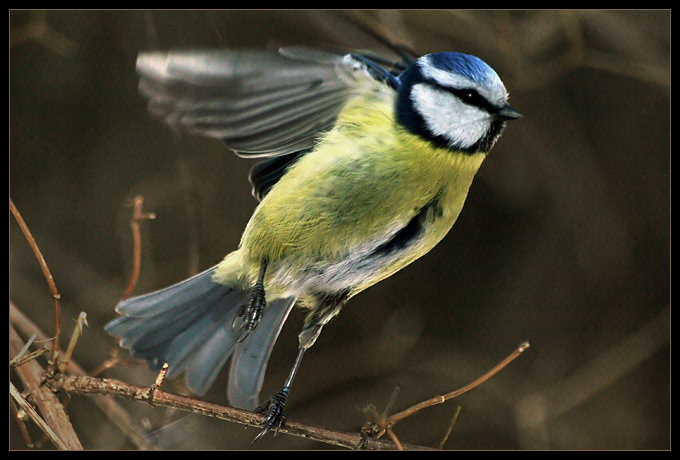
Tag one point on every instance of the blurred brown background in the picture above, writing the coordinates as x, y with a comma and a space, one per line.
564, 241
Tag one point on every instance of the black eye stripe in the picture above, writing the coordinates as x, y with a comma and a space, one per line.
469, 96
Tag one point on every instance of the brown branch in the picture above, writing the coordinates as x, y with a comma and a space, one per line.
160, 378
52, 410
137, 216
48, 276
396, 418
449, 429
19, 360
381, 425
37, 419
89, 385
394, 439
19, 418
107, 404
77, 332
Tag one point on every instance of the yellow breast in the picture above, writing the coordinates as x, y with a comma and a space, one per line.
367, 179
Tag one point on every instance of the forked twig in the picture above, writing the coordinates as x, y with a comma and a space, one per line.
383, 425
396, 418
23, 357
48, 276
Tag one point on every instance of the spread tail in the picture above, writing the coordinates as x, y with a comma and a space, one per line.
190, 326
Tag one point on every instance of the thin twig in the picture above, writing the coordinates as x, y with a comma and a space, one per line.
112, 361
396, 418
390, 403
48, 276
449, 429
23, 359
137, 216
19, 418
394, 439
25, 349
378, 425
160, 378
77, 332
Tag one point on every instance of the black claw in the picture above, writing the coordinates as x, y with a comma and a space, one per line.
251, 314
275, 408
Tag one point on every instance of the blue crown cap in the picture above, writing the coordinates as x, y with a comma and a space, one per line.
466, 65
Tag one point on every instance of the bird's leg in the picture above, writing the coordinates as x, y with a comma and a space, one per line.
251, 314
275, 405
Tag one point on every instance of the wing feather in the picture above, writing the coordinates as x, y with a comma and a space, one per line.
260, 103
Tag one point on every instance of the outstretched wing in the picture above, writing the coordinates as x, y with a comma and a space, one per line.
260, 103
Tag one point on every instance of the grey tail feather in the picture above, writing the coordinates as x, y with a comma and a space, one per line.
249, 363
190, 326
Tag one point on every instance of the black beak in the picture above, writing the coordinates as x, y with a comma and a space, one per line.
507, 113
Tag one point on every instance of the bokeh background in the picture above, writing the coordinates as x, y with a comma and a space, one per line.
564, 241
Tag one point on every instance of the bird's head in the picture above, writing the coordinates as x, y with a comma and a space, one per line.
455, 100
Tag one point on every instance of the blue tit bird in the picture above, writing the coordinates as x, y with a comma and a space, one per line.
365, 169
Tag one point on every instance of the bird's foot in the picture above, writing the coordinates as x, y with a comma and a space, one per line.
274, 407
251, 314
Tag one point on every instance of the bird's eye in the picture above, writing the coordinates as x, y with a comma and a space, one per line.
469, 97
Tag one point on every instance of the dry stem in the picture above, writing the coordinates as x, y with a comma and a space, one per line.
137, 216
77, 332
107, 404
449, 429
52, 410
48, 276
33, 415
396, 418
19, 418
383, 425
89, 385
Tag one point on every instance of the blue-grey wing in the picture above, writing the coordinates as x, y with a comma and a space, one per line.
260, 103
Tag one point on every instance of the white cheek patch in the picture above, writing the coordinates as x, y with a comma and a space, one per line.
445, 115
